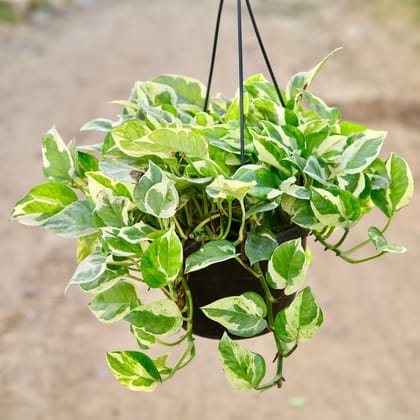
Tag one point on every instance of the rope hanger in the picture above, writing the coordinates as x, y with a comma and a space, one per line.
240, 65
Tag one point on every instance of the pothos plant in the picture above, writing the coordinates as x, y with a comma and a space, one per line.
165, 197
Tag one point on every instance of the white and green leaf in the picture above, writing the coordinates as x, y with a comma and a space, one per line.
222, 188
58, 162
112, 210
241, 315
115, 303
259, 245
161, 318
335, 207
162, 261
381, 244
244, 369
73, 221
134, 370
90, 269
300, 320
104, 281
303, 80
42, 202
399, 191
210, 253
361, 153
288, 266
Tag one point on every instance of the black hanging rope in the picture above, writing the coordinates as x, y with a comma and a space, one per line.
241, 66
264, 53
213, 54
241, 83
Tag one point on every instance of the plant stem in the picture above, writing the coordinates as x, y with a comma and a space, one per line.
278, 378
179, 228
189, 351
241, 236
205, 221
229, 224
361, 260
364, 243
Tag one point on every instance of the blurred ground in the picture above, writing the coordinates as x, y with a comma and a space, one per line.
365, 361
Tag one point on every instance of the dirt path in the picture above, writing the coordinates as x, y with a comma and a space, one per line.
365, 361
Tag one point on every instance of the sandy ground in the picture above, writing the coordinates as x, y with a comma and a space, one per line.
365, 361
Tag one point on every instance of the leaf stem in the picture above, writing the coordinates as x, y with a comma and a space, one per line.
179, 228
189, 351
364, 243
241, 236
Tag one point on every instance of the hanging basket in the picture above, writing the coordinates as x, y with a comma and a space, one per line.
229, 278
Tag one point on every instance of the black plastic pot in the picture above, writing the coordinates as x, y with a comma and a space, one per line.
229, 278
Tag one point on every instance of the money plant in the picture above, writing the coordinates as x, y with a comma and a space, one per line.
165, 198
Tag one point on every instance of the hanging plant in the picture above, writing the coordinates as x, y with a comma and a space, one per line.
164, 202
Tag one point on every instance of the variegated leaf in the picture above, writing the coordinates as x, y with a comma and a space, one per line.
288, 266
162, 261
42, 202
241, 315
133, 369
115, 303
300, 320
210, 253
58, 163
244, 369
162, 318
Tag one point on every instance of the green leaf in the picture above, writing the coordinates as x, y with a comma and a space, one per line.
259, 245
260, 208
290, 187
267, 182
73, 221
98, 124
144, 340
134, 370
104, 281
161, 317
137, 233
361, 153
113, 243
288, 266
303, 80
210, 253
188, 91
127, 135
87, 163
268, 150
42, 202
162, 260
155, 194
162, 200
120, 170
381, 244
222, 188
321, 108
58, 164
90, 269
112, 210
170, 140
86, 245
318, 170
135, 140
303, 215
241, 315
335, 207
97, 182
115, 303
300, 320
244, 369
